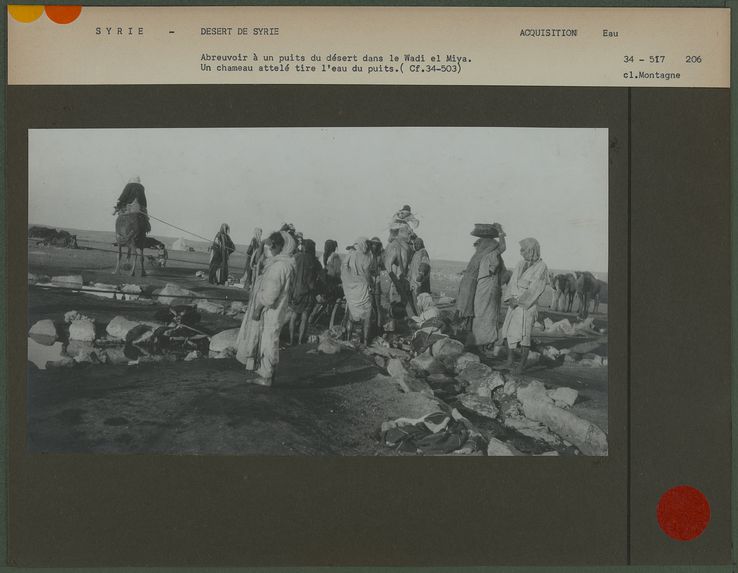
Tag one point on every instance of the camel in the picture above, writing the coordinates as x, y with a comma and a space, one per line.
130, 232
571, 290
558, 289
565, 287
585, 291
397, 257
596, 293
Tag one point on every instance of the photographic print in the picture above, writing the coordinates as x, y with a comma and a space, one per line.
352, 291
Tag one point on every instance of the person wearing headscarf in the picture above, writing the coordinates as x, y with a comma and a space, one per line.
377, 271
329, 289
419, 271
133, 200
527, 283
402, 224
220, 250
331, 260
427, 309
304, 288
268, 309
253, 253
356, 279
480, 292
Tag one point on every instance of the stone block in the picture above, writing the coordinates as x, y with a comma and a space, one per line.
464, 360
481, 377
405, 379
447, 348
479, 405
211, 307
45, 328
176, 295
224, 340
427, 363
585, 435
499, 448
82, 330
563, 396
120, 326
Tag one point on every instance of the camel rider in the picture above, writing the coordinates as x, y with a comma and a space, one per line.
402, 225
133, 200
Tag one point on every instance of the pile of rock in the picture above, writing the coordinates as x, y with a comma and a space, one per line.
447, 372
79, 340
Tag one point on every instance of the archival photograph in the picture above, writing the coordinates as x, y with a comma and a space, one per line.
356, 291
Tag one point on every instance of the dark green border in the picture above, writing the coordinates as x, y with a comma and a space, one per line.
733, 4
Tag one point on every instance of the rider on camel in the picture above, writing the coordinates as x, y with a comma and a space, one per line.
402, 225
133, 200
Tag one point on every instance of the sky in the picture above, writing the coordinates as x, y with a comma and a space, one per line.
338, 183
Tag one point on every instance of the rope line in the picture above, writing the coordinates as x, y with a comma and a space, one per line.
178, 228
188, 232
150, 216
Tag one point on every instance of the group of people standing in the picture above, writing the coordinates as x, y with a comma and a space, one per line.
480, 298
376, 279
287, 280
289, 284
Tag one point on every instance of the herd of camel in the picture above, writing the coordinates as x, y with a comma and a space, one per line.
583, 286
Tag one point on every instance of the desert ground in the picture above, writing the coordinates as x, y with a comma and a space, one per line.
115, 394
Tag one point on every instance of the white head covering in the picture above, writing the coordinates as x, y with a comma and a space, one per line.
425, 301
289, 244
135, 179
288, 250
358, 260
362, 244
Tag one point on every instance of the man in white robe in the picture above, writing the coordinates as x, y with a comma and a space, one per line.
526, 286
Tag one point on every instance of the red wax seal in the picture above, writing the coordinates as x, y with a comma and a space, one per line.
683, 512
63, 14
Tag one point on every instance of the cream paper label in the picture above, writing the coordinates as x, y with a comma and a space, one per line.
635, 47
